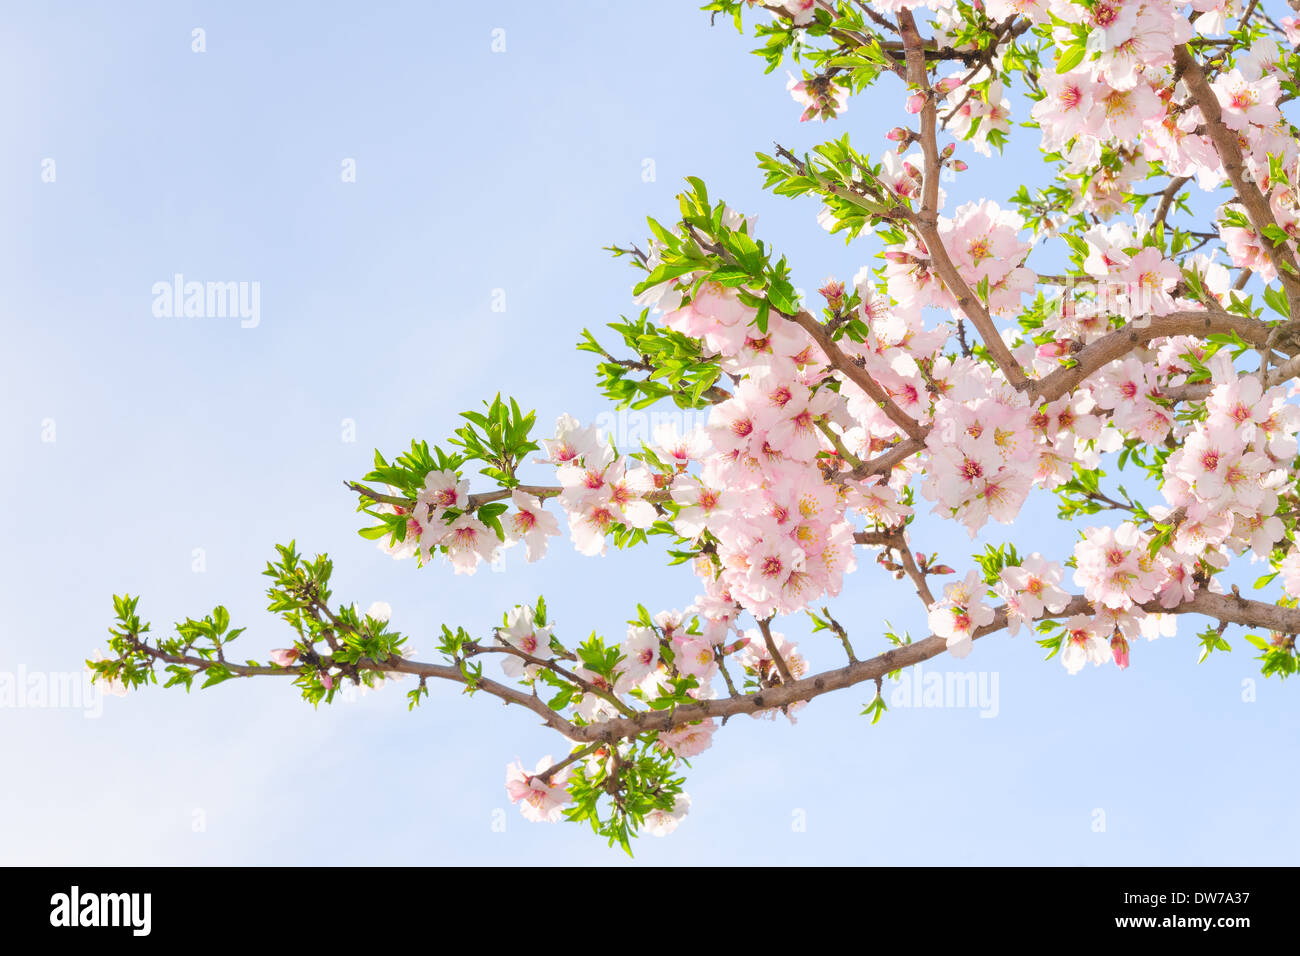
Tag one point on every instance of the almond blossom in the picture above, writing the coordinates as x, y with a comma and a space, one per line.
531, 524
540, 800
1096, 370
1029, 589
960, 613
522, 633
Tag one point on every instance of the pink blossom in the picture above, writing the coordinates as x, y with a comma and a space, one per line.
531, 524
522, 633
640, 658
662, 822
695, 658
689, 740
1114, 567
1246, 102
1029, 589
1082, 645
1290, 569
1122, 114
960, 613
469, 541
442, 490
573, 444
540, 800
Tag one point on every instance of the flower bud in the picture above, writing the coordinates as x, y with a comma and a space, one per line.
832, 292
1119, 648
736, 645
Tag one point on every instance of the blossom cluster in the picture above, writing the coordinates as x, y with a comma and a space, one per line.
771, 496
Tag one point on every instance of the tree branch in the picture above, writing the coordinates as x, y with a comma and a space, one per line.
1119, 343
856, 374
1226, 145
777, 659
927, 223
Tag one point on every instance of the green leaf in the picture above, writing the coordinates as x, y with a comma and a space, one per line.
1071, 58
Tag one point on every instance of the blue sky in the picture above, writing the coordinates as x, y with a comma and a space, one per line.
475, 171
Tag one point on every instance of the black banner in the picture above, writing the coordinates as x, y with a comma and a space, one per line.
130, 904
